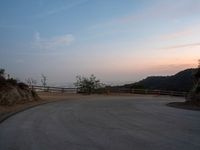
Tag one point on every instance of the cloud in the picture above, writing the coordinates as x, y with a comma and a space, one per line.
184, 32
182, 46
173, 10
167, 10
174, 66
54, 42
177, 34
60, 9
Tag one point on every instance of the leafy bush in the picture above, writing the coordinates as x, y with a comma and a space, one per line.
2, 81
198, 89
22, 85
2, 72
87, 85
12, 81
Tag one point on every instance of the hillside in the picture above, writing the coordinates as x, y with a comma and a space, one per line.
12, 92
182, 81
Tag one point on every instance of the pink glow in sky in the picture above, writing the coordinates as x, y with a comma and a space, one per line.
118, 41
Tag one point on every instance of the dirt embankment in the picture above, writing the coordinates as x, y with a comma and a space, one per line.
12, 95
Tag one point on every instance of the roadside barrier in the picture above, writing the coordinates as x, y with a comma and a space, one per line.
53, 89
111, 90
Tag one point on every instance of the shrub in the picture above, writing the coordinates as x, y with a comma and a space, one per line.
87, 85
2, 72
12, 81
22, 85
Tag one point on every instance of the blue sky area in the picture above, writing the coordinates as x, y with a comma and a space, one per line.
119, 41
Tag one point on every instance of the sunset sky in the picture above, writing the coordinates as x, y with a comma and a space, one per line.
119, 41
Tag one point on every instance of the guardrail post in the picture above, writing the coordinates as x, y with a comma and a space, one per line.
47, 89
159, 92
146, 91
107, 90
63, 90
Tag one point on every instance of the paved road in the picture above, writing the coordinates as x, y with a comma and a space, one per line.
104, 123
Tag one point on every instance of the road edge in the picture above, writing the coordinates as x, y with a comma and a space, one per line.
10, 114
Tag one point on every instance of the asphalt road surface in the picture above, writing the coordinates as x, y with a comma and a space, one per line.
103, 123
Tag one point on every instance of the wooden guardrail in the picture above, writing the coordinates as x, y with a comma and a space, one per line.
54, 89
160, 92
110, 90
147, 91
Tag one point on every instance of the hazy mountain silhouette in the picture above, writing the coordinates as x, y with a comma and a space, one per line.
182, 81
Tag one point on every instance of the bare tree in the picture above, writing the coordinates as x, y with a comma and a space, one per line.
31, 82
44, 80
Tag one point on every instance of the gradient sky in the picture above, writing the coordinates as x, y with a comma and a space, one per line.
119, 41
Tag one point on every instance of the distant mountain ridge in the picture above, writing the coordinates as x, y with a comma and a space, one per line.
182, 81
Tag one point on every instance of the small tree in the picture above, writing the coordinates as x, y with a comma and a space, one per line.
194, 94
2, 77
87, 85
197, 74
197, 78
44, 80
2, 72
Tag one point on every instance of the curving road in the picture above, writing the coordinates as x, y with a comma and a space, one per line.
103, 123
